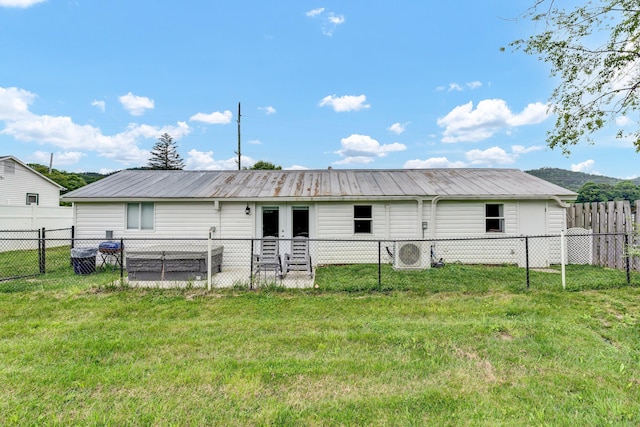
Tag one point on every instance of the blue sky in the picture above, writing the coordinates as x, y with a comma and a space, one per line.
356, 84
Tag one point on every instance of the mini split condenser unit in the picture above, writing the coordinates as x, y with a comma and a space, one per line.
411, 255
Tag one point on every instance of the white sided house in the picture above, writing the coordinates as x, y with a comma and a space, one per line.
386, 205
28, 199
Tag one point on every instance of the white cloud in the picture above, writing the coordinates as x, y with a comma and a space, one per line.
59, 158
433, 162
490, 156
364, 149
268, 110
532, 114
453, 86
330, 20
215, 118
14, 103
296, 168
20, 3
254, 142
345, 103
336, 19
100, 105
315, 12
623, 120
203, 160
586, 166
136, 105
398, 128
464, 124
521, 149
63, 133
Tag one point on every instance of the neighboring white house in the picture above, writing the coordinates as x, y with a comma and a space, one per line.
21, 186
327, 204
28, 199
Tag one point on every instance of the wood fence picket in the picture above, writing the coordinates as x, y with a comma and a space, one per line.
610, 223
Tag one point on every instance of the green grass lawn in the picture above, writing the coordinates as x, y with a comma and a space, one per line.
487, 352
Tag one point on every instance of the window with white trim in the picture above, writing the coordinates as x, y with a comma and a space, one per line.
33, 199
494, 220
140, 216
362, 219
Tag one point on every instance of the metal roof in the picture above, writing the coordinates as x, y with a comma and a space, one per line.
324, 184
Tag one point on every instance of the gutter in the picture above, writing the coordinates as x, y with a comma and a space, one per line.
419, 199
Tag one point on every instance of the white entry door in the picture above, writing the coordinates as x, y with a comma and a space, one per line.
532, 220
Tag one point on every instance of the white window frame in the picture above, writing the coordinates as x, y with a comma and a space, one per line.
135, 220
36, 198
361, 219
491, 219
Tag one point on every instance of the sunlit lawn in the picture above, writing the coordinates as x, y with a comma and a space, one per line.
474, 349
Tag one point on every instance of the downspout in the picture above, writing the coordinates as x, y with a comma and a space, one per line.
560, 202
434, 203
419, 229
387, 221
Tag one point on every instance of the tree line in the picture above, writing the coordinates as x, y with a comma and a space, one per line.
603, 192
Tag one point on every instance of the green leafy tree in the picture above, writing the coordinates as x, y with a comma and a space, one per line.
595, 192
262, 165
595, 51
626, 190
164, 154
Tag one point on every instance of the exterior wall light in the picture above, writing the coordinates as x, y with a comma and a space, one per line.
247, 210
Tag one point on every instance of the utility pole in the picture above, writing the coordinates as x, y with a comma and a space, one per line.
238, 152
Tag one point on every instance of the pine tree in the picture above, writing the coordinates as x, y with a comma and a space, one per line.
164, 154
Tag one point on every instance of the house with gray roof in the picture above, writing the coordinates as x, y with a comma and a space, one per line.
323, 204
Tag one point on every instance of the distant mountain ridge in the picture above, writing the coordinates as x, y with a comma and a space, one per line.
574, 180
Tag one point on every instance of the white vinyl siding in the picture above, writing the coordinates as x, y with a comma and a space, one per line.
391, 220
22, 181
234, 222
172, 220
467, 219
403, 221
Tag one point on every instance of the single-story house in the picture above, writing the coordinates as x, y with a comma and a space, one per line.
341, 204
28, 201
21, 185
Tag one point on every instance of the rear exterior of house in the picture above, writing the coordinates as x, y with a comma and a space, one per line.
328, 204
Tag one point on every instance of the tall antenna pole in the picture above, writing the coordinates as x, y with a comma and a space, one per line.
239, 155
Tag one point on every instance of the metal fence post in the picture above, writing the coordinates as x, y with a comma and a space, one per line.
251, 267
379, 263
526, 255
627, 260
41, 251
73, 235
121, 259
563, 270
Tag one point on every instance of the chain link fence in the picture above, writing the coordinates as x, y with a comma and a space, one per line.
43, 259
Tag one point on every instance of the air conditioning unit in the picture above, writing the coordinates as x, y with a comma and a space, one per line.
411, 255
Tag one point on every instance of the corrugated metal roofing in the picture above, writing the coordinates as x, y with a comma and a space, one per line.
318, 184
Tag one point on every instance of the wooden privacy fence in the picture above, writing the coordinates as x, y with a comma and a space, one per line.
612, 225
